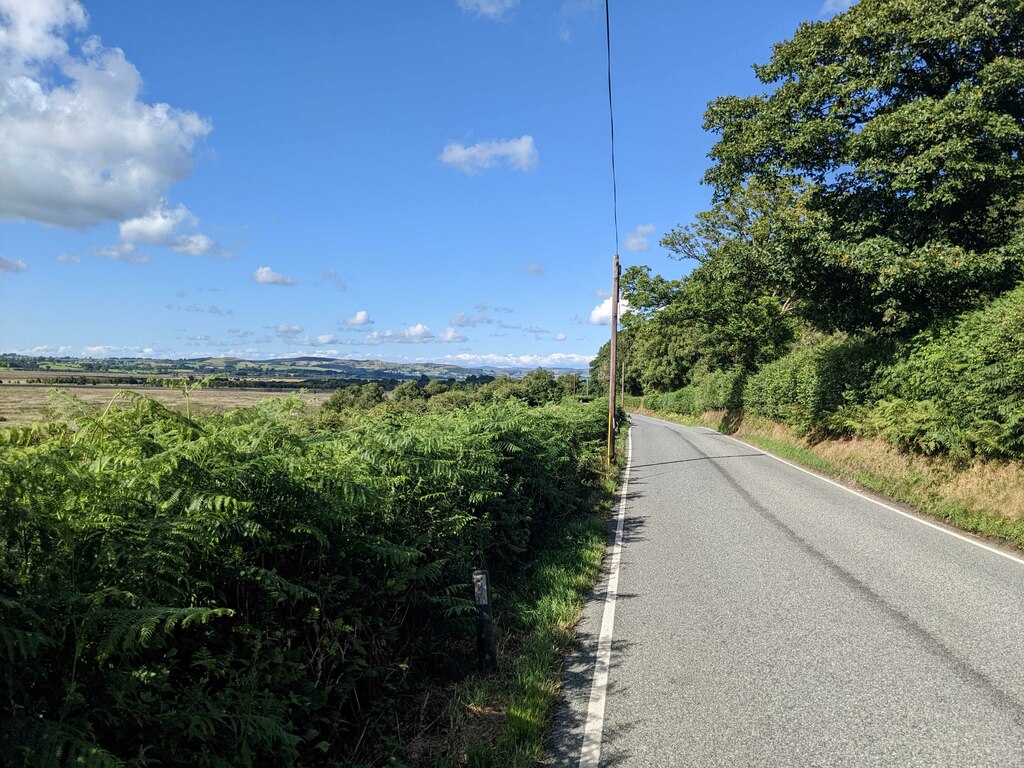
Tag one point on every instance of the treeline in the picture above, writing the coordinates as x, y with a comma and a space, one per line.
65, 380
268, 586
859, 268
222, 381
15, 362
423, 395
333, 382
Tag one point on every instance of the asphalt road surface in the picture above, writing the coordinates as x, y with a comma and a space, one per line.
766, 617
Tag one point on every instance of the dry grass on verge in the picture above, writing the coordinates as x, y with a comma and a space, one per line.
980, 496
994, 486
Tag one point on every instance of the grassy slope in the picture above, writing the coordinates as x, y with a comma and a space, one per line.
983, 497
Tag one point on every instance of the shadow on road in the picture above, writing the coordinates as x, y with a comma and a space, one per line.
570, 714
697, 458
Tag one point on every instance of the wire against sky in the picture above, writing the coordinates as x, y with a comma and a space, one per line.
611, 120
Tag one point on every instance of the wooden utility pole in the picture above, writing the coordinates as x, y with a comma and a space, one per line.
622, 388
612, 370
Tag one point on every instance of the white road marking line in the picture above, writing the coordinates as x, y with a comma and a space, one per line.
590, 753
915, 518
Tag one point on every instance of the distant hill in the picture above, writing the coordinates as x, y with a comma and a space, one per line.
305, 367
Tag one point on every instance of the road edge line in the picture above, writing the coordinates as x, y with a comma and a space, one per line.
882, 504
590, 751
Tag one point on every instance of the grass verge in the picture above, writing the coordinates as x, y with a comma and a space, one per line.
501, 720
982, 497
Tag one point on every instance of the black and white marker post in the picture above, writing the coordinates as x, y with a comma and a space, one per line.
486, 654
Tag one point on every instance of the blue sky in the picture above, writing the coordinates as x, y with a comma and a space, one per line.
408, 181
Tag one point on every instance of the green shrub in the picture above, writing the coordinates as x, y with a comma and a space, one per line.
234, 590
707, 391
718, 390
680, 401
958, 388
807, 386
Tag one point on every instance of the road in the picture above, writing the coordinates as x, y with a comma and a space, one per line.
767, 617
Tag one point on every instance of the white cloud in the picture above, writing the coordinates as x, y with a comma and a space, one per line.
450, 336
832, 7
536, 329
125, 252
267, 276
291, 336
602, 313
213, 309
67, 258
462, 320
331, 276
418, 332
556, 360
520, 154
637, 239
414, 334
77, 145
361, 317
6, 265
240, 352
491, 9
43, 349
559, 337
162, 225
193, 245
533, 269
158, 226
114, 350
601, 293
376, 337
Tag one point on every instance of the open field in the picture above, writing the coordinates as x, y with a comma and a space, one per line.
26, 403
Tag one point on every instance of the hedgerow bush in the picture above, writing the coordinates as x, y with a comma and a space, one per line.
806, 387
959, 388
707, 391
254, 588
680, 401
718, 390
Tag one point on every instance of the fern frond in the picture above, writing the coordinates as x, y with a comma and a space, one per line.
128, 629
40, 743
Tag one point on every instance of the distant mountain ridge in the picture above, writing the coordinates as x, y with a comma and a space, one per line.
305, 367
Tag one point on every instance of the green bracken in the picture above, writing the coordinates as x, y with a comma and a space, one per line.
266, 586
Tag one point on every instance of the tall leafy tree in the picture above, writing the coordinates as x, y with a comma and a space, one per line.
893, 139
734, 309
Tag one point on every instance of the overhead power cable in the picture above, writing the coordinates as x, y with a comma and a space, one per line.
611, 120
